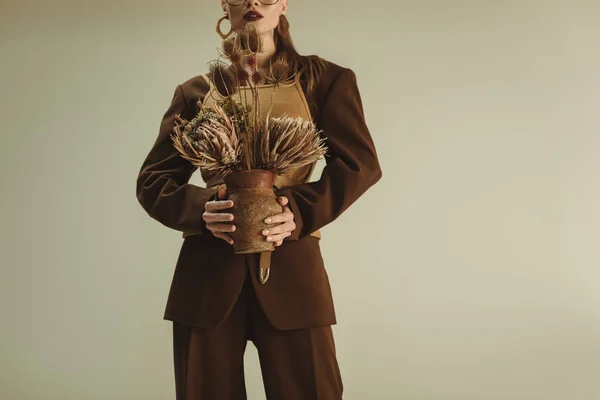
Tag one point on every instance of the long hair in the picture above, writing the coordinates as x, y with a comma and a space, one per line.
310, 67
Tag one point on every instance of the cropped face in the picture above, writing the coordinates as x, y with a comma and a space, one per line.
264, 14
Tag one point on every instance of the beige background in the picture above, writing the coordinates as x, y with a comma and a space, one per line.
470, 271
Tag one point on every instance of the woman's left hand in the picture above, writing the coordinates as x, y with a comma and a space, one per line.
286, 224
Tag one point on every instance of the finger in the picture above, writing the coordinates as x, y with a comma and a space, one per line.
219, 227
279, 218
222, 192
288, 226
223, 236
278, 237
283, 200
217, 217
217, 205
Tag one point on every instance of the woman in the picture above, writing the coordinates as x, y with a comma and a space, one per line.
217, 301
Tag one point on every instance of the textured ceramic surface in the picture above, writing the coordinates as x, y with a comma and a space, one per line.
253, 200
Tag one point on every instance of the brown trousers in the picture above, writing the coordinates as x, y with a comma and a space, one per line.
296, 364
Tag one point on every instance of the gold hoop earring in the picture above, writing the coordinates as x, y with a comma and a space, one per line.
223, 35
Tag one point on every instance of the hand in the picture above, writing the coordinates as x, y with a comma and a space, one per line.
286, 224
216, 220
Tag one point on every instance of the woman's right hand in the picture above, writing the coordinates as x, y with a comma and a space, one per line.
216, 221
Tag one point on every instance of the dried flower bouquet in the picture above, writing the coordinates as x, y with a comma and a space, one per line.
231, 139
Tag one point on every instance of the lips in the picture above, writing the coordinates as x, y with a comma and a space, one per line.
252, 16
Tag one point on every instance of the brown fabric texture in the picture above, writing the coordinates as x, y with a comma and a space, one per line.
208, 276
295, 364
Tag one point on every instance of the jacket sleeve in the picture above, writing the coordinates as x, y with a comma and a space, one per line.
352, 162
162, 184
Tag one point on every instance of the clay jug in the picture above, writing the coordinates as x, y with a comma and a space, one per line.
254, 199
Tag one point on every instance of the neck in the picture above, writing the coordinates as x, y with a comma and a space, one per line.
268, 50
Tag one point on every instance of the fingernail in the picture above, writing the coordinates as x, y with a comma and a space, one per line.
268, 220
232, 227
269, 238
265, 232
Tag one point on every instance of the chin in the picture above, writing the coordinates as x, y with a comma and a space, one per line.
262, 29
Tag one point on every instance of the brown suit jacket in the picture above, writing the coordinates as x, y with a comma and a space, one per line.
208, 276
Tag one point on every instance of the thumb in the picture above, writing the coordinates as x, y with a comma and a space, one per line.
222, 193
